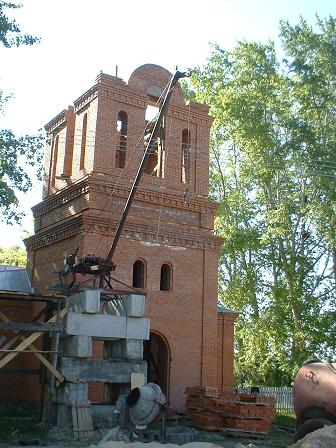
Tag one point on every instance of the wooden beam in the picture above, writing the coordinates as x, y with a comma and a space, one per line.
27, 342
29, 326
26, 351
18, 372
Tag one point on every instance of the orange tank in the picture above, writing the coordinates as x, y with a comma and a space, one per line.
315, 391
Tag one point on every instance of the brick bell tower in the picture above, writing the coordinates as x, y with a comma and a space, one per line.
167, 249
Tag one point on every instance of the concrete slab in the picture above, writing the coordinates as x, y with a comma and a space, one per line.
107, 326
78, 346
100, 370
87, 301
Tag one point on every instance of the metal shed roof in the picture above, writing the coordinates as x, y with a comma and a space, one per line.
13, 278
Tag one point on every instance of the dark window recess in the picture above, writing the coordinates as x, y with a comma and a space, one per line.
53, 175
185, 165
155, 162
83, 143
165, 278
120, 161
139, 274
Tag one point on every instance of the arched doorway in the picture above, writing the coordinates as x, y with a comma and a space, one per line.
157, 356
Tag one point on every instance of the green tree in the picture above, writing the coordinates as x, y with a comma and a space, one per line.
15, 152
13, 256
272, 147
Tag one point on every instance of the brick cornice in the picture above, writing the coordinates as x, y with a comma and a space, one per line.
59, 232
86, 98
61, 197
145, 234
92, 182
58, 121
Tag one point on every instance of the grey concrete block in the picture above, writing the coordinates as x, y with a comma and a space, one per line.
124, 349
78, 346
64, 416
100, 370
68, 392
134, 305
87, 301
107, 326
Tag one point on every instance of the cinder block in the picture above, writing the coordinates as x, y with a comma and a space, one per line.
78, 346
124, 349
87, 301
64, 417
134, 305
68, 392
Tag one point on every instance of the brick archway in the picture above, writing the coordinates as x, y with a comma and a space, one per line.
157, 356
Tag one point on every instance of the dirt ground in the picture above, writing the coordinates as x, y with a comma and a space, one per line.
275, 439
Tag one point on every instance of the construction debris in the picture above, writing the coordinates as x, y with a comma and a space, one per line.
167, 445
322, 438
242, 415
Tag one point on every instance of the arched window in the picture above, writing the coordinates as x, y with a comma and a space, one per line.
83, 144
120, 161
166, 277
139, 272
54, 162
185, 162
156, 160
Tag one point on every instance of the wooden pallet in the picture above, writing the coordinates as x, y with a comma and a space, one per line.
81, 420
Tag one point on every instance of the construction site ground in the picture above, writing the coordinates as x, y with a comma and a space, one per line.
19, 426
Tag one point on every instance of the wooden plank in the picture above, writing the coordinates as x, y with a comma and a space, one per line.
11, 342
29, 326
26, 351
28, 341
82, 420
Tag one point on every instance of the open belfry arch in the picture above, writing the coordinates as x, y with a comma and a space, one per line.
167, 250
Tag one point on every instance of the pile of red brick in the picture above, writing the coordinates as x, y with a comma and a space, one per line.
238, 414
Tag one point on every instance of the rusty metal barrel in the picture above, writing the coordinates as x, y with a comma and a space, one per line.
315, 391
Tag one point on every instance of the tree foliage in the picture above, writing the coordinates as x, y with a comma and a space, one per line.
10, 32
13, 256
273, 163
16, 153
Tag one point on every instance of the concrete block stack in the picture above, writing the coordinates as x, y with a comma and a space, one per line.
237, 414
122, 327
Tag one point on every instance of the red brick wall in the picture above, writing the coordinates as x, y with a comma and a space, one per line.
225, 347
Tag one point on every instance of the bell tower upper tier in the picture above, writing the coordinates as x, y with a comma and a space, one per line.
105, 132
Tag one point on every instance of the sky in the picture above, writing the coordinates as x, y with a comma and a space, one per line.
80, 38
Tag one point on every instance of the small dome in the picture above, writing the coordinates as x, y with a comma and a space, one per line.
151, 80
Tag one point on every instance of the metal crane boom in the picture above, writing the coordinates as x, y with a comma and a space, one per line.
154, 135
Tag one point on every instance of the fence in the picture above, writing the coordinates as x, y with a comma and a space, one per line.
283, 395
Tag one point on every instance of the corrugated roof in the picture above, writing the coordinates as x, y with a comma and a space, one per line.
13, 278
222, 309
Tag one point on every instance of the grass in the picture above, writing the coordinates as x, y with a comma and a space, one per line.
19, 421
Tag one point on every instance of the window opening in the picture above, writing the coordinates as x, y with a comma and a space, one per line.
83, 143
53, 177
155, 161
185, 165
165, 278
120, 161
139, 274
